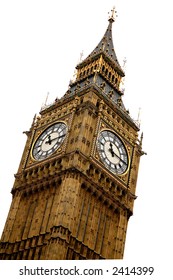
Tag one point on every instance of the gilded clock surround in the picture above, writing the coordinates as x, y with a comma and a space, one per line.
69, 206
58, 148
125, 150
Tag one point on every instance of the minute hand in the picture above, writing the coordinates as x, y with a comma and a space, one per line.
58, 137
120, 158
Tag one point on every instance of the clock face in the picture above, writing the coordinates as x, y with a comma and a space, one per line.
112, 152
49, 141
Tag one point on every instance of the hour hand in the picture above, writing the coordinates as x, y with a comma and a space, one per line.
111, 149
49, 140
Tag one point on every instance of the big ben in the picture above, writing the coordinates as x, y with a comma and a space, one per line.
75, 187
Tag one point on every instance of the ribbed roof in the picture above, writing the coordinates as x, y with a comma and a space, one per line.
105, 47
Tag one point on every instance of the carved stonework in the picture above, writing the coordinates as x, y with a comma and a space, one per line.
70, 201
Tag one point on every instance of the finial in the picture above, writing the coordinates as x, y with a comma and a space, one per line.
45, 103
33, 122
124, 63
113, 15
81, 56
139, 113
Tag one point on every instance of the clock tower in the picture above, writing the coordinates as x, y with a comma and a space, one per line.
75, 186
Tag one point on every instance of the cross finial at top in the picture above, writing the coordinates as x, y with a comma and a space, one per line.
113, 14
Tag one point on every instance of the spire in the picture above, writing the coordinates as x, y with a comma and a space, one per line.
105, 48
101, 68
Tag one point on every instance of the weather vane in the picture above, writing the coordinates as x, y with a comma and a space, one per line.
113, 14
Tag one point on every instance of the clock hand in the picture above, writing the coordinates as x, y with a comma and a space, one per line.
49, 140
120, 159
114, 154
58, 137
111, 149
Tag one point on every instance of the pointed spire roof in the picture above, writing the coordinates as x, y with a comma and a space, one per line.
106, 48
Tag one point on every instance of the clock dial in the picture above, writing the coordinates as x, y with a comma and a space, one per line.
49, 141
112, 152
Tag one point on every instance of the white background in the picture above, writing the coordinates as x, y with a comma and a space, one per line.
40, 45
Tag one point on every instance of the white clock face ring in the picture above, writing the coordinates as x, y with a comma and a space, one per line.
49, 141
112, 152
